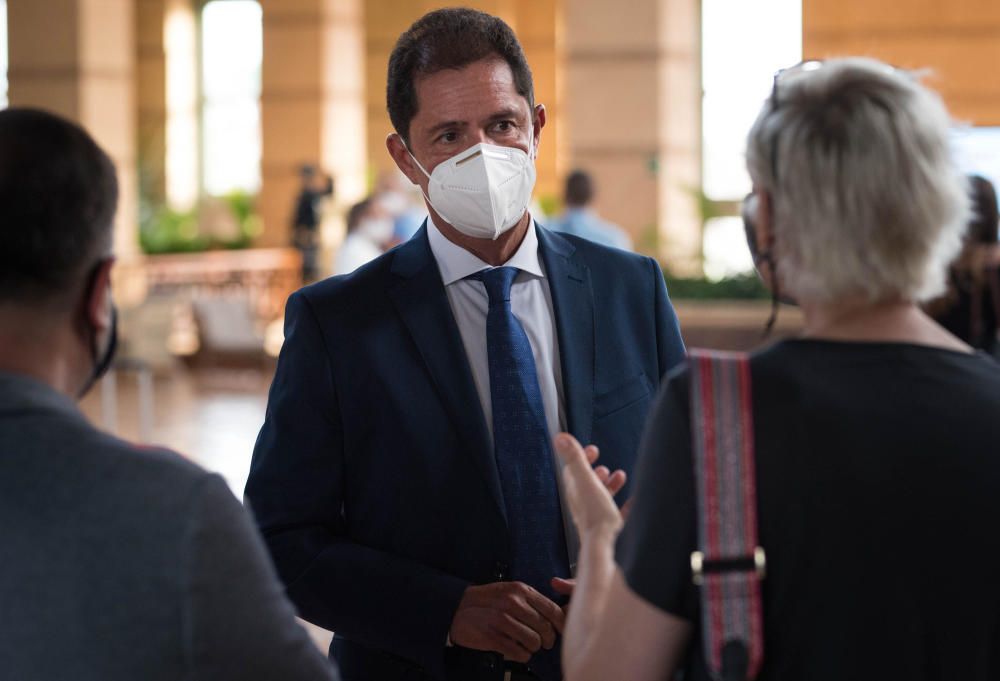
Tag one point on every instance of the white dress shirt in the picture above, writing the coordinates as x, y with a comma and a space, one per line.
531, 303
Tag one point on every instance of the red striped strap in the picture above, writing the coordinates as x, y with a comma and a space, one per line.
729, 563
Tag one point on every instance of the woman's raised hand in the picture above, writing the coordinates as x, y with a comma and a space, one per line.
589, 491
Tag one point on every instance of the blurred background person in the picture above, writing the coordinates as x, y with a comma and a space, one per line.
875, 432
149, 562
369, 231
970, 308
306, 221
403, 202
580, 219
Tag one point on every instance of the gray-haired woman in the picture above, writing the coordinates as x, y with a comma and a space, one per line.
876, 432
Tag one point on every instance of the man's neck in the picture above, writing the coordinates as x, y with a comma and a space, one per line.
860, 320
495, 252
36, 348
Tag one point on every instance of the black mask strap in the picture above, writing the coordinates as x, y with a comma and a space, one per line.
766, 258
101, 361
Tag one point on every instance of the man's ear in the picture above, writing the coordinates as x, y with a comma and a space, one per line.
538, 122
96, 306
400, 154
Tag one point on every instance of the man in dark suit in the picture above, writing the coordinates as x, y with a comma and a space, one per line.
116, 563
404, 478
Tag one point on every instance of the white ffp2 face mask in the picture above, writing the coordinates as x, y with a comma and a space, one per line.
483, 191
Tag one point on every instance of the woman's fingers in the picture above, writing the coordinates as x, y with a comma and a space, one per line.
615, 482
589, 496
571, 453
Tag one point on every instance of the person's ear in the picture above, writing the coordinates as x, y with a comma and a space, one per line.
399, 153
538, 122
97, 305
763, 222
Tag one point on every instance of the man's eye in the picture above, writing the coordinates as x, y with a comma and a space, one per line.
505, 126
449, 137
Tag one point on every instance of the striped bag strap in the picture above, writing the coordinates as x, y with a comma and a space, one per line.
729, 563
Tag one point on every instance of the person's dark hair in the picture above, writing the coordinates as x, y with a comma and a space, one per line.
449, 38
356, 213
579, 188
58, 193
983, 228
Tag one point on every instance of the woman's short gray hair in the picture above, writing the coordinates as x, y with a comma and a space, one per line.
866, 197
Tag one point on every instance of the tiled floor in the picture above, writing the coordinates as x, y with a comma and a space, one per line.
210, 416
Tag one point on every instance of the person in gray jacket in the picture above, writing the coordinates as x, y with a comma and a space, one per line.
115, 562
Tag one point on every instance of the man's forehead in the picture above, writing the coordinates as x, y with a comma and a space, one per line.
478, 90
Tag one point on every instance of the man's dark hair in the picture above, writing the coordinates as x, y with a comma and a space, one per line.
579, 188
449, 39
58, 193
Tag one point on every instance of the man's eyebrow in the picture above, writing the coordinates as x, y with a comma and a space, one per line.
433, 130
505, 114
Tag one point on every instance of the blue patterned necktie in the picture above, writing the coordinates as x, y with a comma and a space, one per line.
523, 454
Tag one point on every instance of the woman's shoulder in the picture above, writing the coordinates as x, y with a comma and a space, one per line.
793, 365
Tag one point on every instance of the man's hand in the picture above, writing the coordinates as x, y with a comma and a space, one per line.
509, 618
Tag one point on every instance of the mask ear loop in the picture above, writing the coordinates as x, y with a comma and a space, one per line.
414, 159
100, 362
759, 258
422, 169
772, 319
428, 175
767, 258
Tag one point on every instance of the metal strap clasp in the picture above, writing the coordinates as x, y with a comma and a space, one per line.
700, 567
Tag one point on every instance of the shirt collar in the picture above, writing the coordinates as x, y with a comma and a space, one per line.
455, 263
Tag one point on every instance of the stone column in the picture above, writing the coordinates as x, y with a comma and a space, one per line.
151, 99
538, 24
633, 118
76, 58
312, 104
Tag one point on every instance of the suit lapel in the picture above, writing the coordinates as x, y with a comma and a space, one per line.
421, 301
573, 303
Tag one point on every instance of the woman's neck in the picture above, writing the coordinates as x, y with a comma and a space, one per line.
896, 321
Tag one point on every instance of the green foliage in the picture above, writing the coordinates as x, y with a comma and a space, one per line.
550, 204
243, 207
165, 230
740, 287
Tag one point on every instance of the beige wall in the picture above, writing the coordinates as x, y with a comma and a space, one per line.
633, 117
76, 58
958, 39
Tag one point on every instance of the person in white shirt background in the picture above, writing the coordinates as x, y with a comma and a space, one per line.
369, 231
580, 219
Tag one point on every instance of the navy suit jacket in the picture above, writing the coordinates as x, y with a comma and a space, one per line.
373, 479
